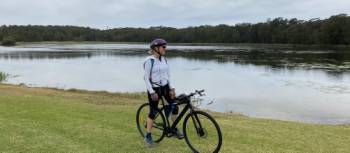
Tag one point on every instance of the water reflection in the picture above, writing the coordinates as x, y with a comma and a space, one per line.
335, 62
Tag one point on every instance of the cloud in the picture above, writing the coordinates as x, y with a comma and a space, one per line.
146, 13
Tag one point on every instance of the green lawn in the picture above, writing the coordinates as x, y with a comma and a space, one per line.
50, 120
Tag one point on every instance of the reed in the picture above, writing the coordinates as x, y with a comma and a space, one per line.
3, 76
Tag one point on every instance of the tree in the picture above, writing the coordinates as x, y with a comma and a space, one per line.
333, 30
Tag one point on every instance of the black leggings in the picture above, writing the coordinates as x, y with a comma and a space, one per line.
162, 91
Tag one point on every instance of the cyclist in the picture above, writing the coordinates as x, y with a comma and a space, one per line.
157, 79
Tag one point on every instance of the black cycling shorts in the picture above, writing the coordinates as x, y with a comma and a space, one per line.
163, 91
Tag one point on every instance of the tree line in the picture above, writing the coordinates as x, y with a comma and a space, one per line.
333, 30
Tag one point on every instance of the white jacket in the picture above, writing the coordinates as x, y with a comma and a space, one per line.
160, 73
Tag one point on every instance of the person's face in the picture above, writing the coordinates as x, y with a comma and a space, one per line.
162, 50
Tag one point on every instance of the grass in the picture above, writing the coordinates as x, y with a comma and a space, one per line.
51, 120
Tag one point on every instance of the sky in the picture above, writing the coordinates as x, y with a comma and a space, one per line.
105, 14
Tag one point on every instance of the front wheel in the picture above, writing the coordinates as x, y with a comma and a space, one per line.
202, 133
158, 123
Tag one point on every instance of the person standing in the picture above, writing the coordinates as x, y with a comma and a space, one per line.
157, 80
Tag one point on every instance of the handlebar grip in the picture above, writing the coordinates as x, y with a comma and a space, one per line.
199, 91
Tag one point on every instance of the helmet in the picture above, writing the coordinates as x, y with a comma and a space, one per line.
158, 42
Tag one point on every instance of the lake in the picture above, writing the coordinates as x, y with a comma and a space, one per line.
297, 83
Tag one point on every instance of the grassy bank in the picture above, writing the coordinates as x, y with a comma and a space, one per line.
50, 120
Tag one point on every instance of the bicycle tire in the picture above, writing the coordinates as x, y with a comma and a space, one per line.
203, 133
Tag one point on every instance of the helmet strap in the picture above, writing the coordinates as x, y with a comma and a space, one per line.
156, 49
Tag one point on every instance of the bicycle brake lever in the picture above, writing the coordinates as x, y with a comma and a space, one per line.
200, 94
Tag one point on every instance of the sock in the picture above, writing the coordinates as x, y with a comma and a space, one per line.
148, 135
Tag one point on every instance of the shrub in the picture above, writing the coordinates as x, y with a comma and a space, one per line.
8, 42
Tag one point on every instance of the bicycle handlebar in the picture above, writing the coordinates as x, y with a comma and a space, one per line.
200, 92
187, 97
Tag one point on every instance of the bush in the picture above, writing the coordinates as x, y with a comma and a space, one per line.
8, 42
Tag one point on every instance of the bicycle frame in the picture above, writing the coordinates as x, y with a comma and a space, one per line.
187, 107
197, 118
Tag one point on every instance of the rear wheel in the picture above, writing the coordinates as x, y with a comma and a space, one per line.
158, 123
202, 133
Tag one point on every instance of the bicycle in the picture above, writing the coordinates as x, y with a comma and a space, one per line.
200, 130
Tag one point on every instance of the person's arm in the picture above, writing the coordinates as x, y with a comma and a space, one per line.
170, 85
148, 65
172, 89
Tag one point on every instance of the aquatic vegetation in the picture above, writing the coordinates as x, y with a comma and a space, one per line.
3, 76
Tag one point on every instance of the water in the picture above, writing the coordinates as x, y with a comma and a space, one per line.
278, 82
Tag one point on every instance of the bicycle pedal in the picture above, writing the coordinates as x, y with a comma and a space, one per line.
180, 137
169, 135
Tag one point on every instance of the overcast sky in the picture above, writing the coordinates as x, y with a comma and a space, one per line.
174, 13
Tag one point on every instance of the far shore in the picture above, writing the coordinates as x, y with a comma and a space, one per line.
188, 44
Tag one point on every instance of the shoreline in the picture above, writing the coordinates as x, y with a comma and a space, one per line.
214, 44
142, 95
54, 120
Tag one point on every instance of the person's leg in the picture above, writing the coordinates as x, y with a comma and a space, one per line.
173, 108
149, 125
153, 111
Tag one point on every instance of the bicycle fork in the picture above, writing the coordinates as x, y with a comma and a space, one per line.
197, 125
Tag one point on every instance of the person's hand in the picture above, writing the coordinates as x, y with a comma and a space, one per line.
154, 96
172, 93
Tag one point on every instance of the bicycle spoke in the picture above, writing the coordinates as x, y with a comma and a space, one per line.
158, 124
202, 134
